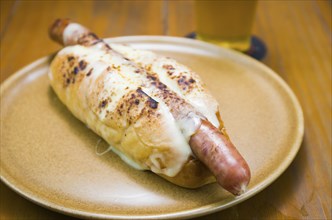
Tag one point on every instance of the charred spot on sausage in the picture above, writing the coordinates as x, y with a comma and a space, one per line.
88, 39
97, 41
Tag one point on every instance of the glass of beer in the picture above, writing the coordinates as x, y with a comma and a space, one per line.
227, 23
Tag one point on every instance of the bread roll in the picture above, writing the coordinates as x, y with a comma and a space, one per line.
154, 113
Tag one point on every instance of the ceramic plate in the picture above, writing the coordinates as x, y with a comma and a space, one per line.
49, 157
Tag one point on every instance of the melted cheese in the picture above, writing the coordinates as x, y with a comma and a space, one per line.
174, 139
201, 100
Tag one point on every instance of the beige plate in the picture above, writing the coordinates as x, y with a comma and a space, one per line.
50, 157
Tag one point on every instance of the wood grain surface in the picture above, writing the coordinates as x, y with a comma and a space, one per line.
298, 37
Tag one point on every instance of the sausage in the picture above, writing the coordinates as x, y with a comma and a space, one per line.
77, 34
211, 146
221, 157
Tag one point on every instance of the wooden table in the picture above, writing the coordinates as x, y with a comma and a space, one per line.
298, 36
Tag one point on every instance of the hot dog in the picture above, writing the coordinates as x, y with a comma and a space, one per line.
128, 105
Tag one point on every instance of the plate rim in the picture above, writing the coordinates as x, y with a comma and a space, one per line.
194, 212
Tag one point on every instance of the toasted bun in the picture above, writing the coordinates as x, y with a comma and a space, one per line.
141, 131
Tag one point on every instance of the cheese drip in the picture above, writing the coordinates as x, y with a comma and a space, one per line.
170, 72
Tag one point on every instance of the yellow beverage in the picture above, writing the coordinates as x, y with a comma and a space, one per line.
225, 23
